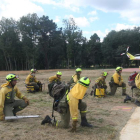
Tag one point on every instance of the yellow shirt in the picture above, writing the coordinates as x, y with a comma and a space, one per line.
7, 95
117, 78
30, 79
54, 79
78, 91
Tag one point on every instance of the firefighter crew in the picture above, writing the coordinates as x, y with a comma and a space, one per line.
32, 81
75, 78
117, 81
70, 104
8, 105
100, 83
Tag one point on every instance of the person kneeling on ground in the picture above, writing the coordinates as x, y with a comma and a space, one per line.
32, 81
8, 105
100, 83
117, 81
73, 101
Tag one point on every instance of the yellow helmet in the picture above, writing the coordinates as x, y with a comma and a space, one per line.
33, 70
78, 69
104, 74
11, 77
84, 81
119, 68
59, 73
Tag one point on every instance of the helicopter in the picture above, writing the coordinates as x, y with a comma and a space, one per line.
130, 56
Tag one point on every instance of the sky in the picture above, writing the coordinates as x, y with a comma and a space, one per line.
91, 16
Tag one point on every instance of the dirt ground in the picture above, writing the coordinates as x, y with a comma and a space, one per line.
108, 115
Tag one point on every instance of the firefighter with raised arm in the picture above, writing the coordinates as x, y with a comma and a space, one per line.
8, 105
32, 81
75, 78
100, 83
117, 81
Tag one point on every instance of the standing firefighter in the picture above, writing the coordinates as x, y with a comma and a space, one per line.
117, 81
75, 78
70, 104
136, 91
100, 84
32, 81
8, 105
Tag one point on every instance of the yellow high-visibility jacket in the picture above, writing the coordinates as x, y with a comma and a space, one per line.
54, 79
78, 91
117, 78
30, 79
100, 81
7, 95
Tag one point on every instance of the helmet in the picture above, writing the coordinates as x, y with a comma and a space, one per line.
104, 74
85, 81
118, 68
33, 70
78, 69
59, 73
11, 77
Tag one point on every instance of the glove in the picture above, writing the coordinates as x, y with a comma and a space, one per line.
26, 100
2, 117
74, 124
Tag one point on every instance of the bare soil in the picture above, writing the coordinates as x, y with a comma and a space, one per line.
102, 113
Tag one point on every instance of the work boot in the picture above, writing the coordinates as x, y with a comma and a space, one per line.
46, 120
137, 102
84, 122
74, 124
128, 98
124, 94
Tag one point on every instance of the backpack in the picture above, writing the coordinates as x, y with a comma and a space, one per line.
137, 81
131, 79
57, 91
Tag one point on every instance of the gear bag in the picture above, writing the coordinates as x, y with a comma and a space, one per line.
57, 91
131, 79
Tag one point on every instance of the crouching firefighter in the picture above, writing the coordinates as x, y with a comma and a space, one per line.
32, 81
100, 83
70, 104
117, 81
136, 91
8, 105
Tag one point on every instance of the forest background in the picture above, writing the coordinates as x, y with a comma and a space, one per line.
37, 42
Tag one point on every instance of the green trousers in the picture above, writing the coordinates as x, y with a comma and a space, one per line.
13, 108
113, 88
65, 113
